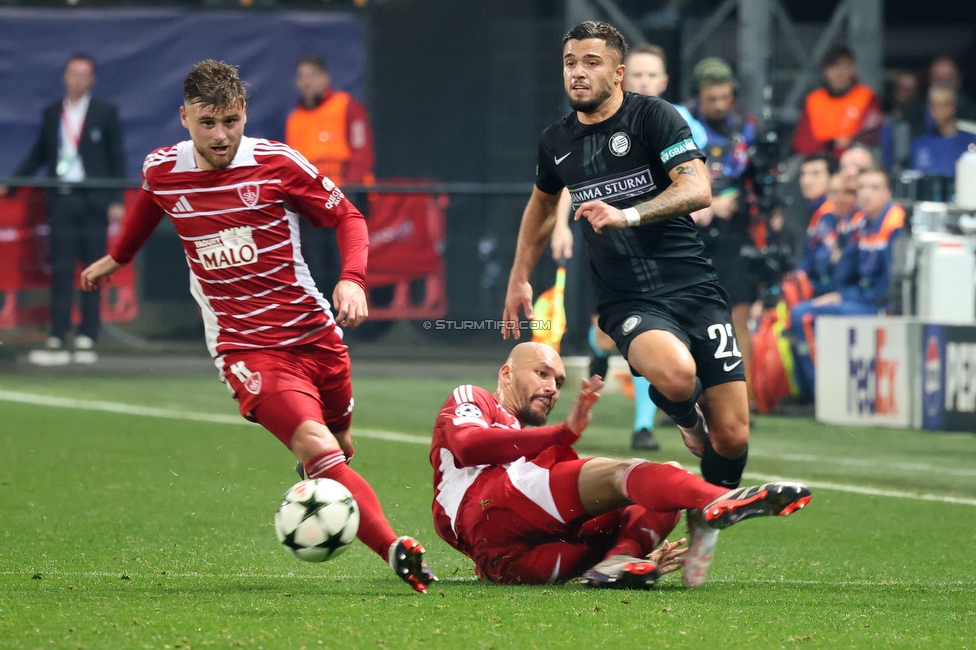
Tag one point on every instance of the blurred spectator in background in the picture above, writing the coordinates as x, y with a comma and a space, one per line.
938, 152
853, 162
647, 74
724, 227
896, 135
844, 195
943, 73
80, 139
816, 172
839, 113
862, 278
331, 129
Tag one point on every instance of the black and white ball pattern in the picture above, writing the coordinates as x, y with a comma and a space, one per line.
317, 520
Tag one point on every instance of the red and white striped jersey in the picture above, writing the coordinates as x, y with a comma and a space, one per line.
239, 228
473, 437
469, 406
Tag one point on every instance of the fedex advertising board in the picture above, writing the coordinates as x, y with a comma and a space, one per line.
864, 370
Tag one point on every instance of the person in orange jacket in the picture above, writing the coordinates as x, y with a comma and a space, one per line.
331, 129
839, 113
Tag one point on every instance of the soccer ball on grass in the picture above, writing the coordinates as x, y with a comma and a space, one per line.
317, 520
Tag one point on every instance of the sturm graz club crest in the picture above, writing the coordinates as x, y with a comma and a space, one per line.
630, 324
619, 144
250, 194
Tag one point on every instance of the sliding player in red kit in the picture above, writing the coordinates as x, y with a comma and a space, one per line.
528, 510
235, 202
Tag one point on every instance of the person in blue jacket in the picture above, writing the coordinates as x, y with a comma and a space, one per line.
936, 153
862, 275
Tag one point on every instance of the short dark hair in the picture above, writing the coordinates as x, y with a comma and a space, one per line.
653, 50
601, 30
834, 56
81, 56
214, 83
313, 60
833, 165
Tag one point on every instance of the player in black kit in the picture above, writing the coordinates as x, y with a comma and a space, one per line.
634, 175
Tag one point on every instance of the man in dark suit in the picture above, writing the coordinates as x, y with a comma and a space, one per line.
80, 139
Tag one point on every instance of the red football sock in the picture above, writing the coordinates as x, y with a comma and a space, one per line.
664, 488
374, 530
641, 530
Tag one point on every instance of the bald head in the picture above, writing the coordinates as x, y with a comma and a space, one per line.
529, 382
854, 161
530, 352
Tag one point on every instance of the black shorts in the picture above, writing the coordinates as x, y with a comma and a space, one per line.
698, 315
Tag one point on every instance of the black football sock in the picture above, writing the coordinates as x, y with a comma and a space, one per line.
719, 470
599, 365
683, 413
599, 359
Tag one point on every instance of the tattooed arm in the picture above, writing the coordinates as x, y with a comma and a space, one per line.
689, 191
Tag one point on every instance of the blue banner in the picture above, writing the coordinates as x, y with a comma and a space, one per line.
949, 378
933, 376
143, 56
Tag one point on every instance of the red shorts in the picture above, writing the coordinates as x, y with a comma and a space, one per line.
506, 512
320, 370
525, 524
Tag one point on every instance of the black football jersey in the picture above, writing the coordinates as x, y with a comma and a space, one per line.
623, 161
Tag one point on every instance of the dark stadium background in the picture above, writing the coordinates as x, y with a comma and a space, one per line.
457, 92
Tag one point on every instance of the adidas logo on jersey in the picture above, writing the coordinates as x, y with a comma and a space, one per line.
231, 247
182, 205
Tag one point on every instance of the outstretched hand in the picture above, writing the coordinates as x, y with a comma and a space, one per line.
581, 409
668, 556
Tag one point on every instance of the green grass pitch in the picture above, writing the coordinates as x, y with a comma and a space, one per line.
129, 531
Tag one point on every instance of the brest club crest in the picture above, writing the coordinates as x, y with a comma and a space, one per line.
250, 194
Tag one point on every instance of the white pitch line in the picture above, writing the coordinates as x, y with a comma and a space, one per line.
860, 462
942, 584
194, 574
858, 489
173, 414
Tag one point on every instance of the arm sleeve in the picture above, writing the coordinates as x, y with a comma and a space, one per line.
139, 223
876, 291
320, 201
667, 134
475, 445
35, 158
473, 440
872, 125
359, 135
698, 132
803, 141
546, 178
845, 273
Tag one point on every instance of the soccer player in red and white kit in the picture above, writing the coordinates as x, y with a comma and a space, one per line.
235, 202
528, 510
